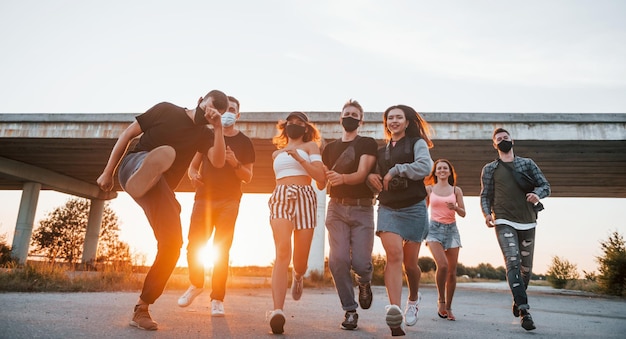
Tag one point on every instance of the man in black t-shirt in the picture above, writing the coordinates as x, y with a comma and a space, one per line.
216, 206
350, 214
170, 137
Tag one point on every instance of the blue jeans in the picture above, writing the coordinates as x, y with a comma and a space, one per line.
517, 248
163, 212
209, 215
351, 240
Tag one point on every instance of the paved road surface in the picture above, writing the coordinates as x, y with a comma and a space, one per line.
482, 311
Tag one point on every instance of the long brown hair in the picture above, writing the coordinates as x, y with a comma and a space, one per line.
418, 127
431, 179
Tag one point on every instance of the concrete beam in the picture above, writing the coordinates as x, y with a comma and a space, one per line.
54, 180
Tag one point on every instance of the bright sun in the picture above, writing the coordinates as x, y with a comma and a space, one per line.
208, 256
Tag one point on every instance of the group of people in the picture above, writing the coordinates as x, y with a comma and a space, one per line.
356, 172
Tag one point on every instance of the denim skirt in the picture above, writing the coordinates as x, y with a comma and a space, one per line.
410, 222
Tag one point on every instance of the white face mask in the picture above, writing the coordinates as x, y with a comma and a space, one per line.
228, 119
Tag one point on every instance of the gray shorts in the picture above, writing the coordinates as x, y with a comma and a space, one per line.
411, 222
445, 234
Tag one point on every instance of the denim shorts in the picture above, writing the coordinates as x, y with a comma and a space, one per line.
411, 222
445, 234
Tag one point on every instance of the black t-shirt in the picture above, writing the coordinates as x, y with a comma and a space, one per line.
330, 155
168, 124
223, 183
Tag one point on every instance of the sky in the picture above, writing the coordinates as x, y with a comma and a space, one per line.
280, 55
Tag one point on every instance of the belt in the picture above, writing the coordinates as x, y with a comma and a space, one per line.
355, 202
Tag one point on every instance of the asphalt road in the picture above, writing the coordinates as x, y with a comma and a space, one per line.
482, 311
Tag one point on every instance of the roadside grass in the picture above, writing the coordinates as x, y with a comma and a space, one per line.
56, 277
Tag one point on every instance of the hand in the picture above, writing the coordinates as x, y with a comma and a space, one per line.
293, 152
213, 116
230, 157
375, 181
196, 180
489, 221
532, 198
451, 205
335, 178
105, 182
386, 181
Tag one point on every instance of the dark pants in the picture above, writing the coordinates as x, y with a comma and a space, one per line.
209, 215
517, 248
163, 212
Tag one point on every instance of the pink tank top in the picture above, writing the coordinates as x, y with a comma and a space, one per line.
439, 211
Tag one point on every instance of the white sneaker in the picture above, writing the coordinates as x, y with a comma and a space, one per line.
191, 294
411, 311
393, 318
217, 308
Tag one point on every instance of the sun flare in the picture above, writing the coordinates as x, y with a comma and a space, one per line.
208, 255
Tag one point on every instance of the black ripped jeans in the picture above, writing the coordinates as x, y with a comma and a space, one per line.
517, 248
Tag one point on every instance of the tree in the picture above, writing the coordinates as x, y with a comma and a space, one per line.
426, 264
561, 271
612, 277
61, 234
5, 251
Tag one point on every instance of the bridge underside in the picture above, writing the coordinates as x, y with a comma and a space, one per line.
574, 168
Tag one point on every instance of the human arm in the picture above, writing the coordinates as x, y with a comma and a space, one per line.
429, 190
242, 171
486, 192
366, 163
194, 171
217, 152
418, 169
105, 180
459, 206
542, 188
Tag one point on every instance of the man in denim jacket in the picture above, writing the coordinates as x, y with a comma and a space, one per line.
511, 210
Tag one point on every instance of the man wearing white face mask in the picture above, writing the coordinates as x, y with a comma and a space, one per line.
216, 206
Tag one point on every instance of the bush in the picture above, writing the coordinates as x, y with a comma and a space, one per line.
5, 252
612, 277
561, 271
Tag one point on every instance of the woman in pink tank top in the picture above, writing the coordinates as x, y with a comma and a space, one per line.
445, 200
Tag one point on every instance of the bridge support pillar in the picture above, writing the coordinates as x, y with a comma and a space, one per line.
90, 246
25, 220
316, 256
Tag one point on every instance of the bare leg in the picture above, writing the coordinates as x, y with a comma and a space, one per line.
452, 254
441, 260
282, 229
413, 272
392, 243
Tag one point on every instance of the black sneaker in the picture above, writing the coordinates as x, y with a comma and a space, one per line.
350, 323
365, 295
515, 310
527, 321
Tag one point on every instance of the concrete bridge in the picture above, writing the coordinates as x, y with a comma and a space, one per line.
582, 155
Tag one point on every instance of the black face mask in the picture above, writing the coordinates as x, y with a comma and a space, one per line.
350, 123
505, 146
199, 118
295, 131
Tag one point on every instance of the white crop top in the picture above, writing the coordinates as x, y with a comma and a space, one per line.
286, 166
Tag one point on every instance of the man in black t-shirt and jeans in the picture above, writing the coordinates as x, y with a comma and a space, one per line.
215, 210
350, 214
149, 173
